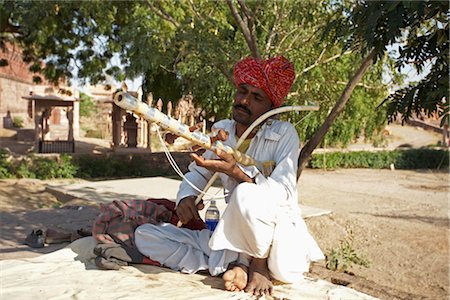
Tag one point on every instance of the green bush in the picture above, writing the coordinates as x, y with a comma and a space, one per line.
116, 166
87, 106
121, 166
345, 256
59, 167
4, 173
113, 167
22, 169
94, 133
401, 159
17, 122
5, 165
37, 167
85, 166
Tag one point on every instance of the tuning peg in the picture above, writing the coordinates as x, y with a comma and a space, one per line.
124, 87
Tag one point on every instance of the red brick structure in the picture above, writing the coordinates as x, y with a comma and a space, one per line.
16, 81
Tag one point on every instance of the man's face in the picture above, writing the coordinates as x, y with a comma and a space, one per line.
249, 103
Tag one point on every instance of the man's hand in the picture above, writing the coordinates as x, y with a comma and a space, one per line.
187, 210
226, 164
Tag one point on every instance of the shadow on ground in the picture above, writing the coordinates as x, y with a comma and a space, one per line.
19, 141
16, 225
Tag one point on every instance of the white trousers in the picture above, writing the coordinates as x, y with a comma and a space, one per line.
255, 224
182, 249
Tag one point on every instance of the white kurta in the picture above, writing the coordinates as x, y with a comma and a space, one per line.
262, 219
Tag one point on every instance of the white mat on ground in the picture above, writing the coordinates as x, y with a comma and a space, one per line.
144, 188
70, 273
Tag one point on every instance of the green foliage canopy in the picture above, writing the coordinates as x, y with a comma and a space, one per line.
191, 46
422, 33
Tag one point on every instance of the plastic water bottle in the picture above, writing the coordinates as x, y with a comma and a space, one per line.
212, 216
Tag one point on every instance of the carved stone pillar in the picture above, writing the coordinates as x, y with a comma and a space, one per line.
70, 118
130, 127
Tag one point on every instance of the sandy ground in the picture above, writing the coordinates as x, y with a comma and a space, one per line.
398, 220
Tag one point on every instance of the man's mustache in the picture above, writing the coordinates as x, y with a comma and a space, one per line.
243, 107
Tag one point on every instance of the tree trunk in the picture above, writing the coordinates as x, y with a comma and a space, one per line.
337, 109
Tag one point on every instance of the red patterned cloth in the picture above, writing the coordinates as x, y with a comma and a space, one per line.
118, 220
274, 76
114, 229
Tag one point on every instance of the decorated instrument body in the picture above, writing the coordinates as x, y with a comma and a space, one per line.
128, 102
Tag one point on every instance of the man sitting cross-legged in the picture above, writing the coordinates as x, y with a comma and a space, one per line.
261, 234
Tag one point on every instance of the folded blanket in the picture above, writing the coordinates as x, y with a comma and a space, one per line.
115, 225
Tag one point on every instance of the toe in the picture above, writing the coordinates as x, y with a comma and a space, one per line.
229, 275
229, 285
250, 289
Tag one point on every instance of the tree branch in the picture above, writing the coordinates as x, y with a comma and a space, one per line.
162, 13
289, 48
274, 30
366, 86
318, 62
337, 109
173, 71
194, 9
251, 22
303, 41
245, 29
284, 38
225, 72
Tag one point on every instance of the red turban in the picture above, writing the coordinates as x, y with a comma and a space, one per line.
274, 76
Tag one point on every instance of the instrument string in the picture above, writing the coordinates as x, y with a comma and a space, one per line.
128, 102
177, 170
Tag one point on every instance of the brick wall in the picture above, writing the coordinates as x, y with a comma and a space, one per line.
15, 81
11, 92
16, 68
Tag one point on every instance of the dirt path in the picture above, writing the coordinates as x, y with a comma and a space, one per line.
398, 221
26, 206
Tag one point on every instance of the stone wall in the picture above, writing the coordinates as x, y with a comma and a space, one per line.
11, 93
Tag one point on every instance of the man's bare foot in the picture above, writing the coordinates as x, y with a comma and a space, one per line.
235, 279
259, 278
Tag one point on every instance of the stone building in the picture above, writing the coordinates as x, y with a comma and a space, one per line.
102, 97
55, 112
44, 106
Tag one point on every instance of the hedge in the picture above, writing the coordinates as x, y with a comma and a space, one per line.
89, 166
401, 159
126, 166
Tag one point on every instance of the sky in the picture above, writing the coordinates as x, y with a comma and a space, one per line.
408, 70
133, 84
